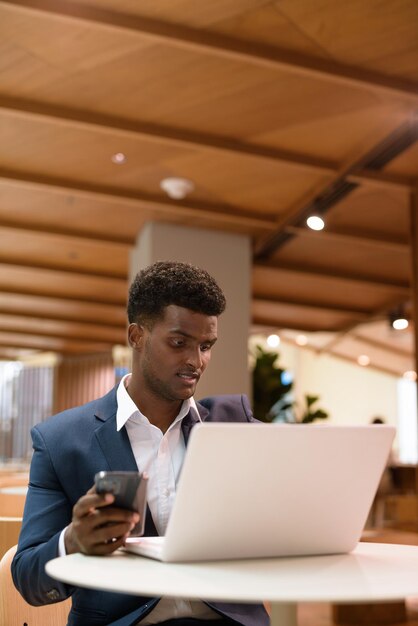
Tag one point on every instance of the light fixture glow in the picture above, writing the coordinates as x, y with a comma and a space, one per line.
177, 188
400, 323
301, 340
363, 360
119, 158
273, 341
315, 222
410, 375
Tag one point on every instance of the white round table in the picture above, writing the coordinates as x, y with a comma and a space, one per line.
372, 572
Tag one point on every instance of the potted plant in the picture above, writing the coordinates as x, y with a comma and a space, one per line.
272, 399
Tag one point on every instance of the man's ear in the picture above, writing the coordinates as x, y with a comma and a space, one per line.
135, 336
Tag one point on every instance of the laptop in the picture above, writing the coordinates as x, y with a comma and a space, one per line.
271, 490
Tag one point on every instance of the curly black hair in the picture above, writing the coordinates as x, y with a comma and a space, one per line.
171, 282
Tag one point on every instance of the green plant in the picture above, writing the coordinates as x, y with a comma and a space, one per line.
310, 414
270, 394
272, 401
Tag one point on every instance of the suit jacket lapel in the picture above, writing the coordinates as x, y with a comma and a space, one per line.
191, 420
116, 447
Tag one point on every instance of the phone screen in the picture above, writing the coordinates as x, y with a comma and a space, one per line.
129, 489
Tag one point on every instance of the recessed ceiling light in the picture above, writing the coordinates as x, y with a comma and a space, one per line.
177, 188
301, 340
119, 158
363, 360
410, 375
273, 341
315, 222
400, 323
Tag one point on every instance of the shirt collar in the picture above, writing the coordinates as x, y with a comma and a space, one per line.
127, 407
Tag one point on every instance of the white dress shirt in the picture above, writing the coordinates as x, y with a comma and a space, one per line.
161, 455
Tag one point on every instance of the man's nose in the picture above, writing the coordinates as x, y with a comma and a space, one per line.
195, 358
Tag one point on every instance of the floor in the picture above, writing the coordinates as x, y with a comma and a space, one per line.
321, 615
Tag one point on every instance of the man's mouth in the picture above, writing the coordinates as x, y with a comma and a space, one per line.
189, 376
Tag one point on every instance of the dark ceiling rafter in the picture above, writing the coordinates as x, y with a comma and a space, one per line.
189, 139
377, 157
226, 47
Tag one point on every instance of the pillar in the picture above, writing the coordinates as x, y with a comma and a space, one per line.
227, 257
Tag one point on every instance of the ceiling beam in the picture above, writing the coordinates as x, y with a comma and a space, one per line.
359, 314
154, 133
28, 325
210, 212
60, 284
51, 344
261, 320
375, 315
61, 309
342, 357
224, 47
189, 139
403, 290
375, 366
380, 345
57, 251
268, 244
350, 239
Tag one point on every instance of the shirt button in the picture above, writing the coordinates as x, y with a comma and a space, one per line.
166, 492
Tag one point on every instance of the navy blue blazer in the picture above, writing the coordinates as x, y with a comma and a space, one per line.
69, 449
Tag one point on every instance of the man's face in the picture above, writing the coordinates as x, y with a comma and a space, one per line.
174, 353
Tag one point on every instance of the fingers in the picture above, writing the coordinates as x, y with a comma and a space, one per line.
96, 527
92, 501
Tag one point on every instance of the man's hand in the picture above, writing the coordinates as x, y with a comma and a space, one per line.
96, 527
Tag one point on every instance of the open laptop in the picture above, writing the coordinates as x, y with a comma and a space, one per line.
258, 490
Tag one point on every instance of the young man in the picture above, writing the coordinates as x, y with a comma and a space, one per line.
144, 425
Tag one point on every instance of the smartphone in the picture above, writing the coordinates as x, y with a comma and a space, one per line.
130, 491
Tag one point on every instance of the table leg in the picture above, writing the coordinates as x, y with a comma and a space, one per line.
283, 614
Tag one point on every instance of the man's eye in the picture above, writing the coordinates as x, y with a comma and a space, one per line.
205, 347
178, 342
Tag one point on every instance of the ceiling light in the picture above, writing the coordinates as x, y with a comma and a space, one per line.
119, 158
273, 341
400, 323
177, 188
410, 375
398, 319
301, 340
363, 360
315, 222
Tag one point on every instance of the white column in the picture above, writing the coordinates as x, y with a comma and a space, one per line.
227, 257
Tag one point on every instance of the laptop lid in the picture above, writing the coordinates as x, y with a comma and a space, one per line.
258, 490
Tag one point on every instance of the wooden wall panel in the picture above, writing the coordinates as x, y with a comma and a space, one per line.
81, 379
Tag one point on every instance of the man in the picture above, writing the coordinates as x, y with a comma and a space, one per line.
144, 425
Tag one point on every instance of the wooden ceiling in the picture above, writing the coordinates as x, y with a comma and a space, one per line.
274, 109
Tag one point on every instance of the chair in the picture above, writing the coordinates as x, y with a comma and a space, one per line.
9, 532
14, 611
12, 504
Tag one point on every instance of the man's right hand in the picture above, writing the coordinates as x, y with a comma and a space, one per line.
97, 527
